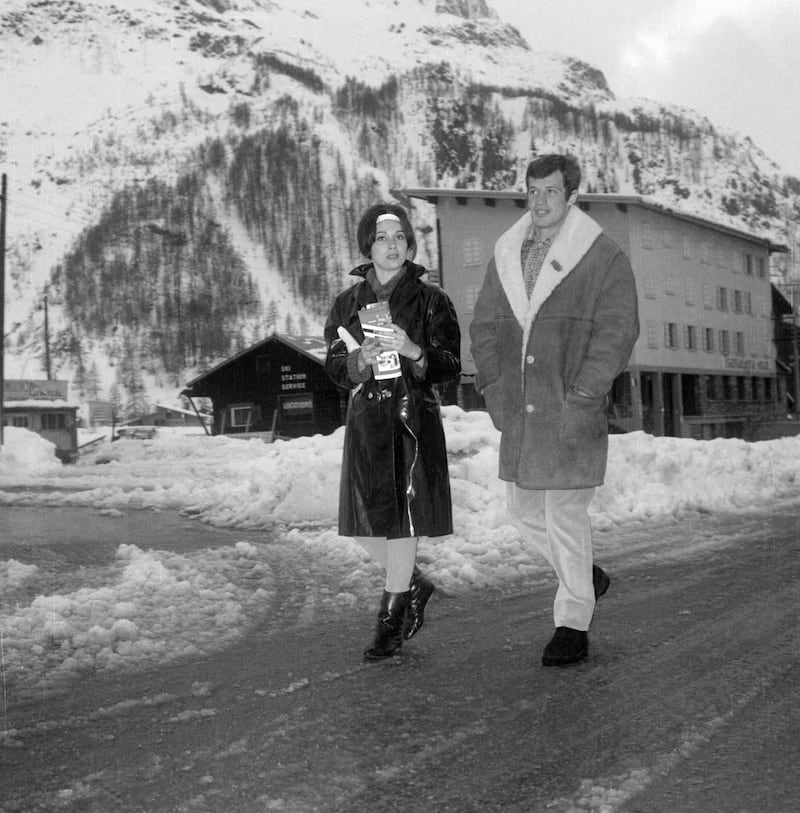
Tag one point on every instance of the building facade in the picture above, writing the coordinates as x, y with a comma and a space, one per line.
704, 365
42, 407
275, 388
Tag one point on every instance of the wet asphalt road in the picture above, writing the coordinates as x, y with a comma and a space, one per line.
688, 701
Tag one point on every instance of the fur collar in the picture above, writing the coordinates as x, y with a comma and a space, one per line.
573, 240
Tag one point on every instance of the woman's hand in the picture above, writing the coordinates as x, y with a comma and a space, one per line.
398, 340
370, 351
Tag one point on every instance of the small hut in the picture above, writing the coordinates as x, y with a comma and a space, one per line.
42, 407
276, 388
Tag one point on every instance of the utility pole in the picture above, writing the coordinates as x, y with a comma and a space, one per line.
3, 201
46, 340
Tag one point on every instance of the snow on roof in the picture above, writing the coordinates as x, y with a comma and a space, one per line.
39, 403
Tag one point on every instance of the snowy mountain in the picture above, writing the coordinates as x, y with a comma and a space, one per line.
185, 176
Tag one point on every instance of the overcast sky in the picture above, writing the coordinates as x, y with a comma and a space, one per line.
735, 61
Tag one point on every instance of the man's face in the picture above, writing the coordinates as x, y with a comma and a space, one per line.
549, 203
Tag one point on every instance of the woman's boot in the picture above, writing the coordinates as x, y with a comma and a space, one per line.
389, 631
418, 596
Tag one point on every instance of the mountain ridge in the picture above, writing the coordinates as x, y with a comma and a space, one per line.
159, 120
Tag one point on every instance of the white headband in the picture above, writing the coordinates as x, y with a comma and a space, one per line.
387, 216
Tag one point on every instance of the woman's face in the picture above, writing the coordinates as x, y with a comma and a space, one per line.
390, 249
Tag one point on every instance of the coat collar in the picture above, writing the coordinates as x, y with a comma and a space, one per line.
412, 270
573, 240
406, 289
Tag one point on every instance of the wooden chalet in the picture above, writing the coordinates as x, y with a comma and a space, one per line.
276, 388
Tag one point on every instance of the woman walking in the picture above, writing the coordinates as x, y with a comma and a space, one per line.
391, 337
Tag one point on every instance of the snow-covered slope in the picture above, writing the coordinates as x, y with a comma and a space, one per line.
107, 95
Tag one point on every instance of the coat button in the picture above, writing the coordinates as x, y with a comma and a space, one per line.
530, 359
530, 408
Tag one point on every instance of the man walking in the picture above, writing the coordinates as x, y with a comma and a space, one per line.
553, 325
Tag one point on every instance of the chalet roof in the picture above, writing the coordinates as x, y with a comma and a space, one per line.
432, 195
314, 347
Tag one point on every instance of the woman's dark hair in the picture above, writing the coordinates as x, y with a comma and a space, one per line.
546, 165
366, 227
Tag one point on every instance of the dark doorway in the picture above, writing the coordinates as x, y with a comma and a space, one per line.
668, 388
648, 405
689, 394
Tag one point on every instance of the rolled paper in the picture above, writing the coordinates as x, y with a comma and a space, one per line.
347, 337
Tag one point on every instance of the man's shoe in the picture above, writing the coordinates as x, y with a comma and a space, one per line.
566, 646
601, 580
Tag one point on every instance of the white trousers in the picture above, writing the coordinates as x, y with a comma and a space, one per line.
556, 524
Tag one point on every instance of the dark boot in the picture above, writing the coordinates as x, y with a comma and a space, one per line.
389, 631
418, 596
566, 646
600, 580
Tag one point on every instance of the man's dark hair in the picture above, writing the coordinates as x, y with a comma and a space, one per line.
366, 227
546, 165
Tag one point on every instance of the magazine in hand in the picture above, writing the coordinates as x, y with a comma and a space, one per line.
376, 320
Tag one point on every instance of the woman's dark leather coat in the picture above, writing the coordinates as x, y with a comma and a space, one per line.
394, 479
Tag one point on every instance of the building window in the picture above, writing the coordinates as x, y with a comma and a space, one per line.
670, 335
767, 389
739, 340
470, 296
724, 342
668, 239
691, 337
722, 259
737, 301
748, 303
54, 420
705, 252
652, 334
669, 283
687, 247
241, 415
708, 339
727, 387
688, 291
762, 267
722, 298
741, 384
472, 251
262, 366
748, 265
647, 237
649, 287
17, 420
708, 296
